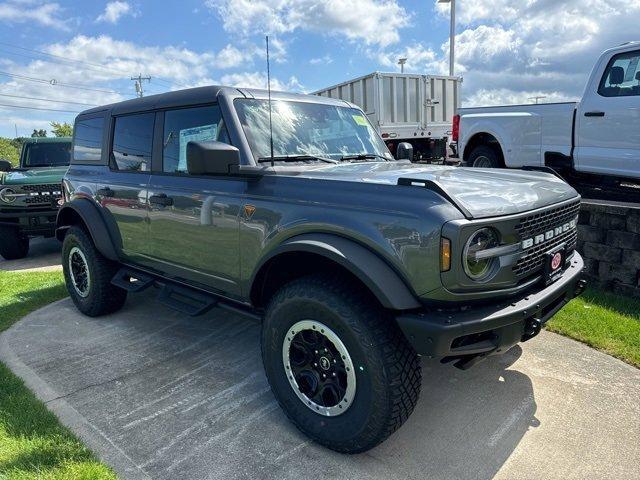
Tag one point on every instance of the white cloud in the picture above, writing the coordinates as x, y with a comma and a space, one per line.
259, 80
324, 60
514, 49
43, 13
113, 11
375, 22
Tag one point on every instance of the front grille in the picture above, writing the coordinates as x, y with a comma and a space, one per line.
539, 223
39, 195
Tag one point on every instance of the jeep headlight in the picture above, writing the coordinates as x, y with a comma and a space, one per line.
7, 195
477, 266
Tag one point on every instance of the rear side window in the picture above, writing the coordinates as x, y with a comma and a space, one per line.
622, 76
87, 140
182, 126
133, 142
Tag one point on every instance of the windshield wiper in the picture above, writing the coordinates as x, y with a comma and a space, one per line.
295, 158
363, 156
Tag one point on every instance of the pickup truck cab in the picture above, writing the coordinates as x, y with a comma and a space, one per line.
291, 210
600, 135
30, 194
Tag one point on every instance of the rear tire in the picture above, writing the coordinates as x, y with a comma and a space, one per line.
366, 348
485, 157
88, 275
13, 244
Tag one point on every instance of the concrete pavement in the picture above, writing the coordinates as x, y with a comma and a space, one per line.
159, 395
44, 255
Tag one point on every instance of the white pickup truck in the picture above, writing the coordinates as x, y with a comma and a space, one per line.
598, 135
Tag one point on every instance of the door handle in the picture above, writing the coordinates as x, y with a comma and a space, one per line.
594, 114
105, 192
161, 199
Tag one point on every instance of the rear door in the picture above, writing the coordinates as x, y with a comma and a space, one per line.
124, 192
608, 120
194, 221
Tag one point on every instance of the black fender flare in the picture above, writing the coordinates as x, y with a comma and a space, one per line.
382, 280
103, 235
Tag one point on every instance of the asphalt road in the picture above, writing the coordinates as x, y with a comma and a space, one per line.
44, 254
160, 395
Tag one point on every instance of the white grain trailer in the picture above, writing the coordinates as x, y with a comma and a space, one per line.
406, 107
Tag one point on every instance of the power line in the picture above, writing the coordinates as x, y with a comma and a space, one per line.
48, 100
54, 82
82, 62
37, 108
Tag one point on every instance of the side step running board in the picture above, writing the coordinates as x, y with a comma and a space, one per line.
186, 300
132, 281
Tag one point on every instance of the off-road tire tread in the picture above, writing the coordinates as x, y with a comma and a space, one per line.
105, 297
367, 319
13, 245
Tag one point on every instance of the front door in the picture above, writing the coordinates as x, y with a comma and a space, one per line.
124, 192
194, 221
608, 120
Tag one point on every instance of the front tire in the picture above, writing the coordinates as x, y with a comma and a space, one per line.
13, 244
88, 275
319, 326
484, 157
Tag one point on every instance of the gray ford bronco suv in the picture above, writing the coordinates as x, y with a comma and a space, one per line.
293, 212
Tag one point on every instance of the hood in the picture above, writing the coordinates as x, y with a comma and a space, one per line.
478, 192
34, 176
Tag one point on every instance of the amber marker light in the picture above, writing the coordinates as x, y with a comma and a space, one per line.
445, 254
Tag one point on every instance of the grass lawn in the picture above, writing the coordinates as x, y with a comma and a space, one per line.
605, 321
33, 444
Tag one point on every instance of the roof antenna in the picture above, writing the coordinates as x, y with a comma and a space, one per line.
269, 94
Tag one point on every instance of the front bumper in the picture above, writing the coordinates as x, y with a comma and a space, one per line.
476, 332
41, 222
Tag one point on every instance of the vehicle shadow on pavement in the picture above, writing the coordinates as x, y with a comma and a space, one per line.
44, 254
182, 397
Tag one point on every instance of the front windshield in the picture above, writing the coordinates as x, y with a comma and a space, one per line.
313, 129
54, 154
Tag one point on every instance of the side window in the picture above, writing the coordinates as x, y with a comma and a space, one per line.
87, 140
185, 125
622, 76
133, 142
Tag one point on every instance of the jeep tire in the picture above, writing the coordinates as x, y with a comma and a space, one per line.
484, 156
13, 243
320, 325
88, 275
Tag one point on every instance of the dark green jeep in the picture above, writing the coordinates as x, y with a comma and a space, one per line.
30, 195
293, 212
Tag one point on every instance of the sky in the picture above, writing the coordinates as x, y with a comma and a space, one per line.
71, 55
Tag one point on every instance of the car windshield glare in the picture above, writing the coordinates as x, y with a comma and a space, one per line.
312, 129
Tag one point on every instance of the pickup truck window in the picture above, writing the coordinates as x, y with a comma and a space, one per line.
302, 128
622, 76
87, 146
185, 125
46, 155
132, 142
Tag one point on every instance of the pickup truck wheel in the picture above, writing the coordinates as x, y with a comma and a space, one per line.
338, 364
13, 244
88, 275
484, 157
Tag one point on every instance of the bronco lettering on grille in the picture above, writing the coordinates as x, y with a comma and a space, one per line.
548, 235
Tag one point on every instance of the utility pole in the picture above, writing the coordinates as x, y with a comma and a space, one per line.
537, 98
452, 36
138, 84
16, 125
401, 62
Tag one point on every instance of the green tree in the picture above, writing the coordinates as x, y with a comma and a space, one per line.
39, 133
8, 151
61, 129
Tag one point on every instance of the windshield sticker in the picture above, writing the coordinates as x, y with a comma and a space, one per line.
360, 120
196, 134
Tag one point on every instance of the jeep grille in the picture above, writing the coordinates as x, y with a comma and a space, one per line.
529, 227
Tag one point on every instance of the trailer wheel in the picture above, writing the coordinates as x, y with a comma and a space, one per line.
484, 156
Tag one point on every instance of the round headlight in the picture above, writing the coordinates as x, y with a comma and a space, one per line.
480, 269
6, 195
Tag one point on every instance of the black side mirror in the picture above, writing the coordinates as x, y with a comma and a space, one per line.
5, 165
212, 158
404, 151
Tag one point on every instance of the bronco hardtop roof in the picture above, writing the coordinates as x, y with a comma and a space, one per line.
199, 95
47, 140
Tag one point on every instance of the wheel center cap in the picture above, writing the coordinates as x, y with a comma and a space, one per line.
325, 364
